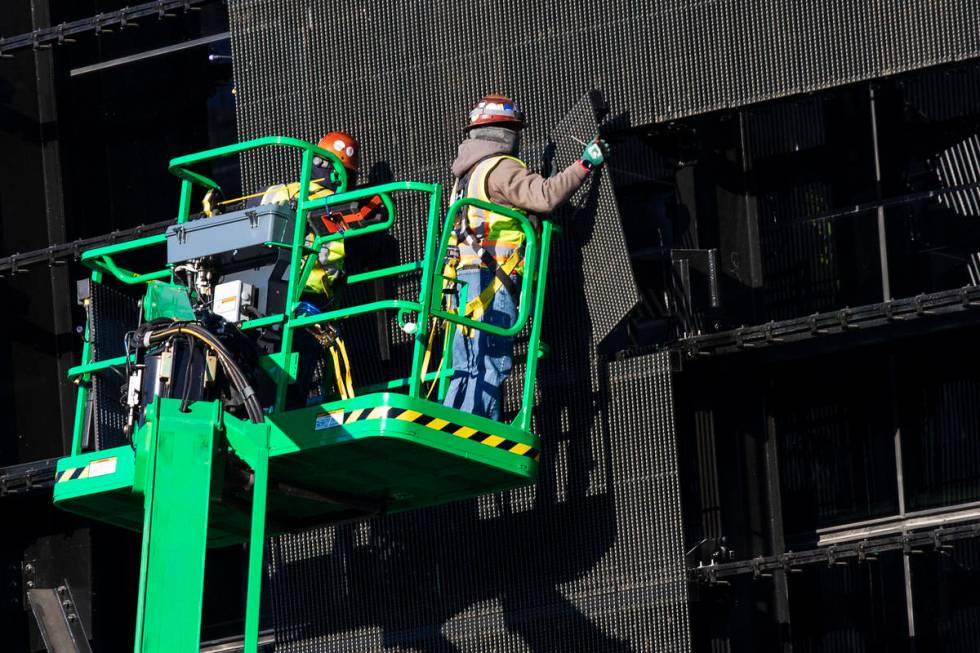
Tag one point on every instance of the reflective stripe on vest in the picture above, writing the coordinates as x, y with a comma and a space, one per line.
282, 193
322, 278
500, 235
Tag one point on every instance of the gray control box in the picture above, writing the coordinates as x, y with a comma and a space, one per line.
235, 236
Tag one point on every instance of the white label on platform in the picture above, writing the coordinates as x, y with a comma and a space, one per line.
328, 420
102, 467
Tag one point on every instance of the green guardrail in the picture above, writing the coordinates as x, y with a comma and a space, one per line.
302, 258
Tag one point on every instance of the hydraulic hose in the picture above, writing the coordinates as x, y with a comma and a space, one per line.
185, 394
235, 375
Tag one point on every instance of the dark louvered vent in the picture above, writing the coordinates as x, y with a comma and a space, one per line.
960, 166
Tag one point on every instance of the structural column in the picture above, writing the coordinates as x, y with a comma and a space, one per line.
179, 465
54, 213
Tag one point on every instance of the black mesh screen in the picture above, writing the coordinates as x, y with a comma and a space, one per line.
590, 559
402, 74
111, 314
591, 249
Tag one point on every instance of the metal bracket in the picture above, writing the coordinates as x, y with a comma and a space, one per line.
740, 340
57, 618
862, 552
788, 566
907, 547
770, 336
812, 323
937, 541
832, 559
712, 577
890, 311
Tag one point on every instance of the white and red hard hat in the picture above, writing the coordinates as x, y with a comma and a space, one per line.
495, 111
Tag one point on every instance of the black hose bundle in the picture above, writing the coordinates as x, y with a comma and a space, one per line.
185, 394
158, 331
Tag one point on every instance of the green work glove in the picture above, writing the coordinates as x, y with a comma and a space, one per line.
595, 153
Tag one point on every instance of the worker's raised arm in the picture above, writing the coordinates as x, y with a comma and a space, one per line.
511, 184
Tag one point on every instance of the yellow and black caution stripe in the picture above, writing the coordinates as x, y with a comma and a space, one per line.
72, 473
95, 468
336, 418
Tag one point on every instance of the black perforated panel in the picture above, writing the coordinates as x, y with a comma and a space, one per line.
111, 314
401, 74
590, 559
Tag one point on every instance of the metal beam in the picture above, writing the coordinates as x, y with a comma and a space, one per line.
149, 54
28, 477
777, 539
105, 22
886, 291
899, 523
846, 320
865, 550
58, 620
54, 214
72, 251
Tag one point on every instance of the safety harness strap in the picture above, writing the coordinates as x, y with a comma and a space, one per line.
338, 375
348, 382
501, 277
476, 307
464, 233
338, 353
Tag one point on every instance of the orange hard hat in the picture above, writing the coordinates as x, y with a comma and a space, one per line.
344, 146
495, 110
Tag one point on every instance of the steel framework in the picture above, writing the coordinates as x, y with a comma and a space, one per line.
100, 23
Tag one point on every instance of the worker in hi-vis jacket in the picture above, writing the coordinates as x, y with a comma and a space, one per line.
487, 248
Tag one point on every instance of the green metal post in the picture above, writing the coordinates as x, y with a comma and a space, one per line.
185, 201
449, 331
523, 420
148, 441
428, 281
256, 544
178, 166
293, 289
175, 525
530, 261
81, 399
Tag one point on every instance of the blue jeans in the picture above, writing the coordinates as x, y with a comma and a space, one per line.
482, 361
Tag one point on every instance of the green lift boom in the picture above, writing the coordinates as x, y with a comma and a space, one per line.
204, 473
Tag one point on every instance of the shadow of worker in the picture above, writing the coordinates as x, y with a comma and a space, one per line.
510, 569
573, 523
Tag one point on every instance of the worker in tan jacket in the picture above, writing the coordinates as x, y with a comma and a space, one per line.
488, 247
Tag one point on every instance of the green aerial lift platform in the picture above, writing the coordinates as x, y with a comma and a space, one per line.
201, 473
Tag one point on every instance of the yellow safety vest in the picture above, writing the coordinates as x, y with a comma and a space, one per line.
321, 279
500, 235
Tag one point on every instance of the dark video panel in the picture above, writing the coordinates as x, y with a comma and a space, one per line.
590, 559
